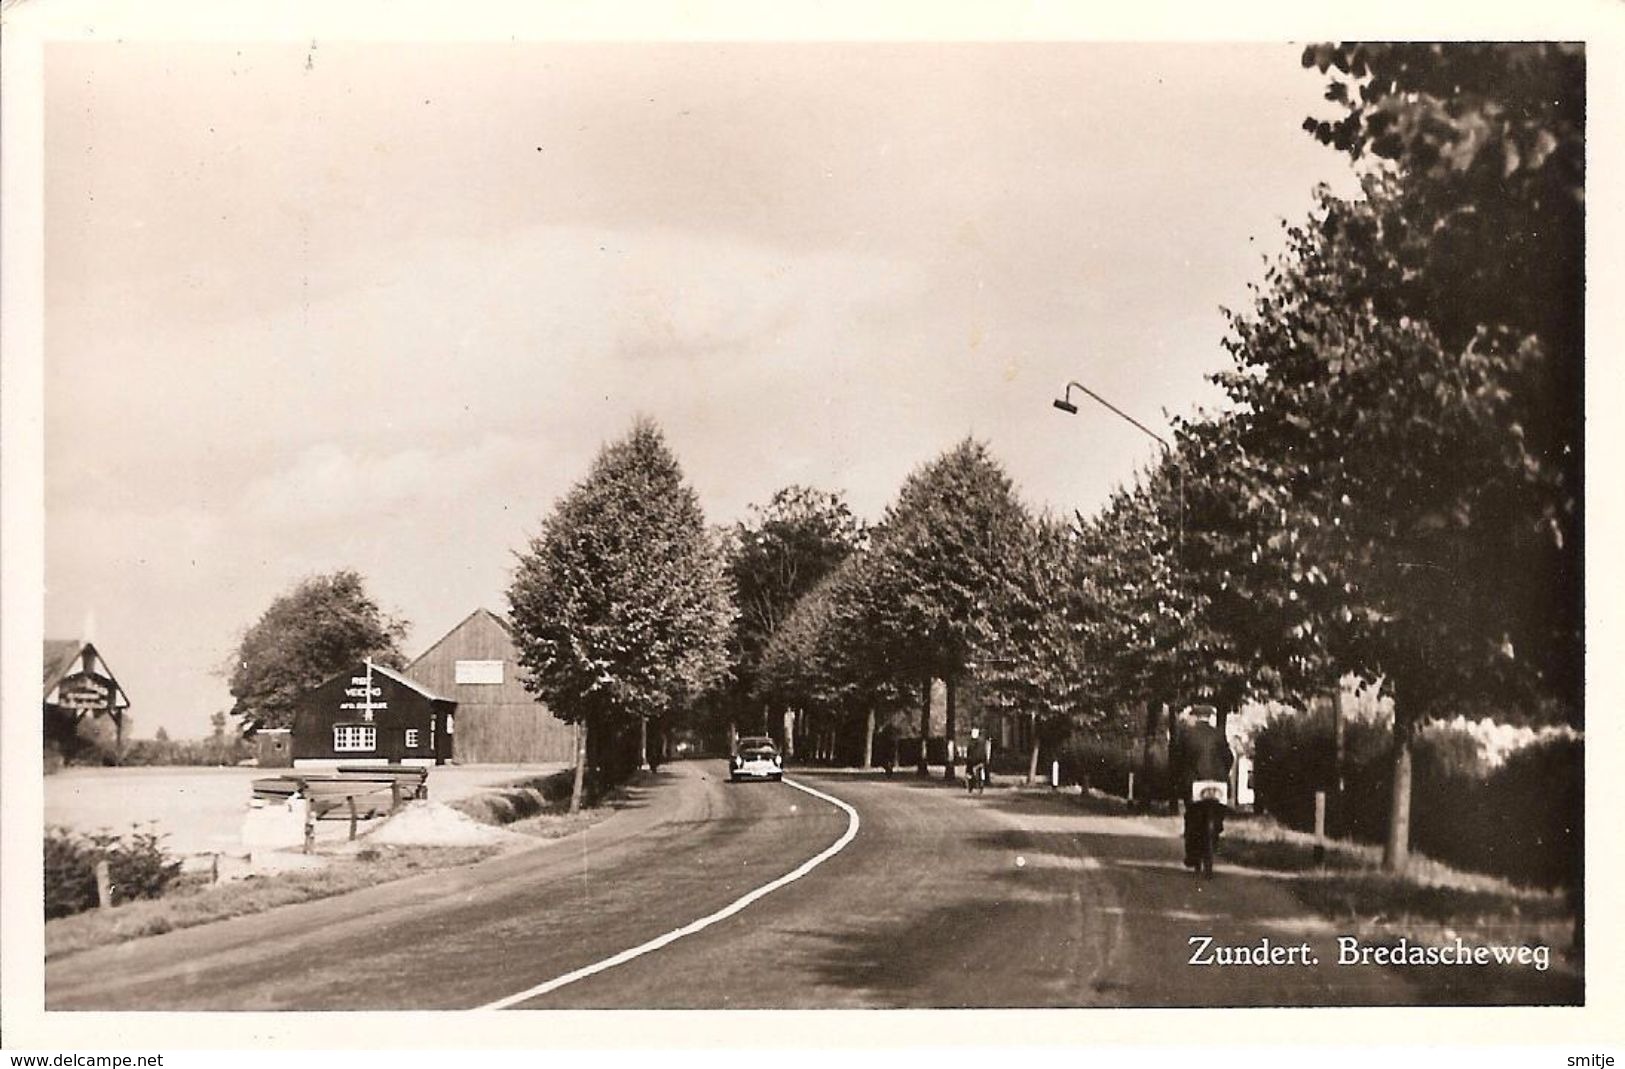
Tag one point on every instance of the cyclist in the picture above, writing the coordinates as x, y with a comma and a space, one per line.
1198, 751
977, 756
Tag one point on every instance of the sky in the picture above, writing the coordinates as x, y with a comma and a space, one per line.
378, 307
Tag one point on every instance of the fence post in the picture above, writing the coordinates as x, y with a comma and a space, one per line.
1320, 827
351, 800
1054, 775
104, 885
214, 868
1131, 787
310, 825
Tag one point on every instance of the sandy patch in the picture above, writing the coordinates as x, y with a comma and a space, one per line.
437, 824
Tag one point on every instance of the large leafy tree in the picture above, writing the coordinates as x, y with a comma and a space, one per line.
1051, 663
797, 668
1414, 522
1487, 240
622, 606
1246, 574
942, 572
1133, 552
319, 628
777, 556
822, 660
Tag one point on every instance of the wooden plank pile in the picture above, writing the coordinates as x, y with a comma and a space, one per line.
352, 794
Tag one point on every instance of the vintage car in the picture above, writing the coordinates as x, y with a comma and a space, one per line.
756, 757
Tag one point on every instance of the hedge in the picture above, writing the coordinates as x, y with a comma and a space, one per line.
1521, 820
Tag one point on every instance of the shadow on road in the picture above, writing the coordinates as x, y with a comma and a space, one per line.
992, 941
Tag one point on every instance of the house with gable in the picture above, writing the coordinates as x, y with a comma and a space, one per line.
79, 691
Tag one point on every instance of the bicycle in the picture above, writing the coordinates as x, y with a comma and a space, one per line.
1207, 805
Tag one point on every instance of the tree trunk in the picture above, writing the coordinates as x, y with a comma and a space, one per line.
1032, 760
1335, 823
925, 724
869, 738
1396, 854
733, 738
643, 743
789, 726
1146, 723
581, 766
951, 730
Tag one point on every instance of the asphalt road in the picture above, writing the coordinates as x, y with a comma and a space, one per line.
939, 900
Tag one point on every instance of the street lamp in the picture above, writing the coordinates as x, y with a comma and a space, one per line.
1064, 403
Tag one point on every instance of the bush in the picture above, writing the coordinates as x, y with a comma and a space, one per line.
1293, 757
189, 752
1099, 762
1520, 820
1535, 806
137, 868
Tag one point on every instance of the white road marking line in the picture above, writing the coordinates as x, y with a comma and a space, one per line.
703, 923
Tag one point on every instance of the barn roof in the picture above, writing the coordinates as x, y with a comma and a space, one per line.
464, 622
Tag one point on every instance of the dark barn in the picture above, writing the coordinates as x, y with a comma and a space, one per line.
370, 715
499, 721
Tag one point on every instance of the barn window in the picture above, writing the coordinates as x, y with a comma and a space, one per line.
479, 672
354, 738
411, 738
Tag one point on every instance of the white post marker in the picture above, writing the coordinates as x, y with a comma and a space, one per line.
703, 923
1055, 774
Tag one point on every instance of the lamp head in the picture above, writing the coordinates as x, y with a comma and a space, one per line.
1066, 406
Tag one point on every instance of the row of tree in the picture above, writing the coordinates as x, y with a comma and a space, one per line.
1393, 492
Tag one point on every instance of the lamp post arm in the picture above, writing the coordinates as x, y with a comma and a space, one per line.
1102, 401
1066, 405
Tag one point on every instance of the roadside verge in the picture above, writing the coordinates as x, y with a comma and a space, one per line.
422, 838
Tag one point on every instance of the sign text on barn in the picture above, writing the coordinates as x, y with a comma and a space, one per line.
363, 695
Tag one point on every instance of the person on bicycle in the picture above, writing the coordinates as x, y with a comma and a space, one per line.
1198, 751
886, 746
977, 756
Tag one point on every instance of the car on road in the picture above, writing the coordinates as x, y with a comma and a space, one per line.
756, 757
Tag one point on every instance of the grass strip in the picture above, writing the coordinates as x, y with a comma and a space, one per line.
1430, 903
192, 900
534, 807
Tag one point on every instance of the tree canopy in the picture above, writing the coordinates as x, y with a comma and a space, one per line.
622, 605
778, 556
943, 567
943, 559
1481, 237
322, 626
